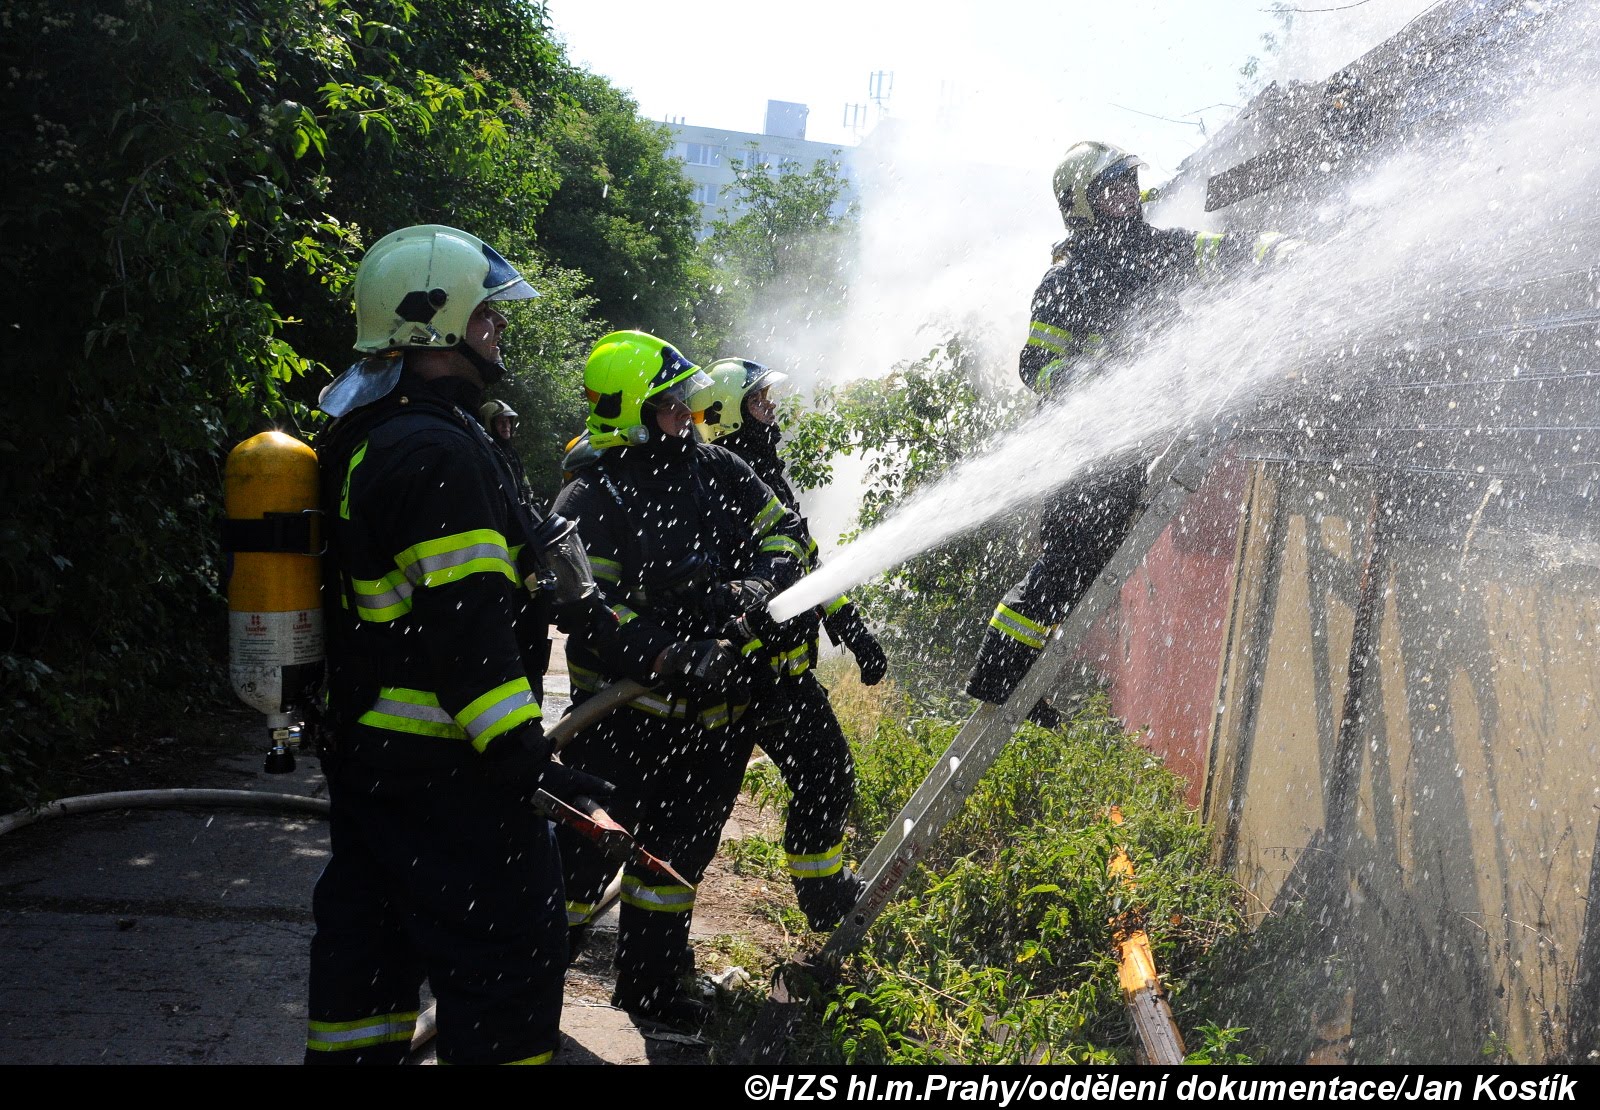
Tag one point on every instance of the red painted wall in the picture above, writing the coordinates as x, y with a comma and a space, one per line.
1160, 647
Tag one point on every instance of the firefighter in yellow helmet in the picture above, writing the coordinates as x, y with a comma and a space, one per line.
1112, 271
794, 721
687, 544
440, 867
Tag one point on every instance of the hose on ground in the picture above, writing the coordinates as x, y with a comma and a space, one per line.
165, 799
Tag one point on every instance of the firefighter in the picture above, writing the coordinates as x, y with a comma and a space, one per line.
1111, 269
686, 542
440, 868
793, 720
500, 421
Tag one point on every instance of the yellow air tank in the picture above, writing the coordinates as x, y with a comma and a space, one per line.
275, 585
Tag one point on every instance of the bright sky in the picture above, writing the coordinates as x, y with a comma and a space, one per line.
1023, 79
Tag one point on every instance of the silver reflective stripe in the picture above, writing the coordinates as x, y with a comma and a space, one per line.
433, 714
519, 698
450, 560
818, 865
1050, 337
1018, 627
662, 899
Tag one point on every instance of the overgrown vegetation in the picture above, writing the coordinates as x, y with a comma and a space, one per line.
1000, 947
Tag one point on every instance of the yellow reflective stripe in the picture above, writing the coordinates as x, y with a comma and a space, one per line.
382, 599
1206, 245
1018, 627
582, 677
624, 614
836, 604
581, 913
449, 558
1265, 242
342, 1036
661, 899
794, 661
817, 865
768, 517
608, 569
542, 1058
1050, 337
415, 711
499, 711
344, 494
785, 546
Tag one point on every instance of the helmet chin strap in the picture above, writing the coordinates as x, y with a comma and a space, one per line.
490, 372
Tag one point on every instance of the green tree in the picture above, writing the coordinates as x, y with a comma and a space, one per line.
196, 182
622, 214
910, 428
782, 249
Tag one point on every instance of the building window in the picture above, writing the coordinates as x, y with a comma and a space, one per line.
704, 193
702, 154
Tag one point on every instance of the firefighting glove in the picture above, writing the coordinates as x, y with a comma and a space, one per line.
576, 617
846, 627
703, 668
515, 761
731, 600
871, 660
574, 786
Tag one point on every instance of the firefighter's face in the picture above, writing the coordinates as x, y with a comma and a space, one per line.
760, 407
1117, 198
484, 328
673, 416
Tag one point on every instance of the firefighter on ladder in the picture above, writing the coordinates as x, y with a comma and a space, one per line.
685, 542
793, 719
1111, 268
441, 869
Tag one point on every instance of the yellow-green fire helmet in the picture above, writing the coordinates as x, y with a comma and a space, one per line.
625, 370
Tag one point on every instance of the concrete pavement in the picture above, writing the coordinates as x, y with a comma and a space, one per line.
169, 936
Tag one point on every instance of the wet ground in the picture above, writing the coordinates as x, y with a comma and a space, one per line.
179, 935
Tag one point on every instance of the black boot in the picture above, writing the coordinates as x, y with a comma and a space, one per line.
662, 1000
827, 901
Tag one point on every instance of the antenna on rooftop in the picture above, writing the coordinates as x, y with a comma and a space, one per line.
855, 119
879, 87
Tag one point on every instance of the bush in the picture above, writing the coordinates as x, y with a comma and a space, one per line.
1000, 946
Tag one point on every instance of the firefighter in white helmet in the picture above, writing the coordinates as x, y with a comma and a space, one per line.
440, 868
794, 720
500, 420
1111, 270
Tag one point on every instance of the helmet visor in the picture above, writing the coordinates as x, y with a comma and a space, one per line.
684, 388
677, 378
503, 282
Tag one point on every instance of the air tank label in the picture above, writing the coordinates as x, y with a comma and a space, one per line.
275, 639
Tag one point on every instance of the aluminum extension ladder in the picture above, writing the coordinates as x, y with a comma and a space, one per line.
942, 794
